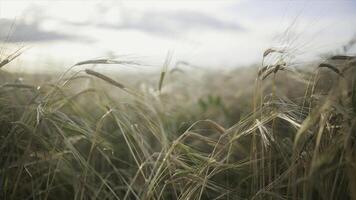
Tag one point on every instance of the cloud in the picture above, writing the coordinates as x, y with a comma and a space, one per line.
160, 22
178, 21
19, 31
164, 23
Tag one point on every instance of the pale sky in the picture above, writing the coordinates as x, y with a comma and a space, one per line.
204, 33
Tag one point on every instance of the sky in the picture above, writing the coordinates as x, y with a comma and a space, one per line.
207, 33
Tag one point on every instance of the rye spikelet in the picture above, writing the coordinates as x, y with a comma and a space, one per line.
331, 67
10, 58
271, 50
342, 57
105, 78
105, 61
164, 71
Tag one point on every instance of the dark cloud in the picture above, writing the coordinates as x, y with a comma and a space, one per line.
19, 31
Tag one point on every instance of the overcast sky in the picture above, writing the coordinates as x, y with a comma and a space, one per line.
204, 33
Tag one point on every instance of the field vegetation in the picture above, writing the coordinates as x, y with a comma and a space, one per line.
269, 131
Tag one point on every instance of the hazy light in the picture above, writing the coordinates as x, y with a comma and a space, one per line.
206, 33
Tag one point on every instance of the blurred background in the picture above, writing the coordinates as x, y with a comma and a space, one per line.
211, 34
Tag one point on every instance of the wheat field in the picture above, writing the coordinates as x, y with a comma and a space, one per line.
263, 132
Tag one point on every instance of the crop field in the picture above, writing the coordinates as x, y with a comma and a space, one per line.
177, 100
260, 132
